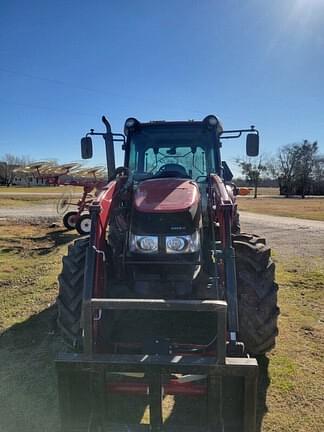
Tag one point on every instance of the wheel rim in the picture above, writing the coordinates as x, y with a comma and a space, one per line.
63, 203
85, 225
72, 220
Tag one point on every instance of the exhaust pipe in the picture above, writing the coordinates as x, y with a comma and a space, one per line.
110, 152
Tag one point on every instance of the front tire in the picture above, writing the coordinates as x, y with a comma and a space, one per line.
257, 294
69, 300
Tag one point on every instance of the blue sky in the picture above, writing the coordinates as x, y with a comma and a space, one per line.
64, 63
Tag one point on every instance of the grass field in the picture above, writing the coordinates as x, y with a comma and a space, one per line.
308, 208
30, 259
266, 191
17, 197
291, 377
295, 398
271, 203
36, 189
25, 201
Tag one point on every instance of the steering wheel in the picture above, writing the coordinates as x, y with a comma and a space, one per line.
173, 170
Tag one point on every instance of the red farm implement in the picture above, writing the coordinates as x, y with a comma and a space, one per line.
91, 180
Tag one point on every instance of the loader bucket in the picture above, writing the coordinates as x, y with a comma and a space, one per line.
226, 385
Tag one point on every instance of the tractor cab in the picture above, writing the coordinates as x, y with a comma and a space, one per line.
188, 150
169, 164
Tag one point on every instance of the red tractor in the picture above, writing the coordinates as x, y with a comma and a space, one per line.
166, 296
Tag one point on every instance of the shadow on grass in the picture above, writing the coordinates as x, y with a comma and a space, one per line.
28, 396
55, 239
62, 236
263, 384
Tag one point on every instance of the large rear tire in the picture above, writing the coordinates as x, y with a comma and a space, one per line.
257, 294
69, 300
236, 224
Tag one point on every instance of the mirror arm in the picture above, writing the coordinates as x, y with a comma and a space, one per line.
94, 133
236, 133
121, 139
231, 136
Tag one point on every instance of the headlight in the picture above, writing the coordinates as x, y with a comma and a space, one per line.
182, 244
175, 244
144, 244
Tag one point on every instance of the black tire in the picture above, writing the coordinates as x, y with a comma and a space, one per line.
257, 294
83, 225
236, 224
70, 219
69, 300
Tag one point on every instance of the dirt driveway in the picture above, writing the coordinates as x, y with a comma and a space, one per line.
289, 237
32, 211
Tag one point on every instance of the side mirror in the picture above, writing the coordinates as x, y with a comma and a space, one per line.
252, 144
86, 148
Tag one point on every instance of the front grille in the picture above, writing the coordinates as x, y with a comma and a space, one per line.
181, 223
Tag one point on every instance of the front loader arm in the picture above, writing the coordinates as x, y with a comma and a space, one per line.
222, 209
100, 211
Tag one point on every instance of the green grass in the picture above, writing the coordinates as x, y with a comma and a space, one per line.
30, 260
296, 365
37, 189
23, 202
283, 373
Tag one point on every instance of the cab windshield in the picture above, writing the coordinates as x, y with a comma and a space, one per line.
172, 151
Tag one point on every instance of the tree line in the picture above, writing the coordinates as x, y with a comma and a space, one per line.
8, 164
298, 169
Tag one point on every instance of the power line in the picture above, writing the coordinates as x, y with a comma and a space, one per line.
39, 107
92, 90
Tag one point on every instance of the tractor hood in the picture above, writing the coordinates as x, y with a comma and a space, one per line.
167, 195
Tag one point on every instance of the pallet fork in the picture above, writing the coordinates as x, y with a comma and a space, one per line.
93, 368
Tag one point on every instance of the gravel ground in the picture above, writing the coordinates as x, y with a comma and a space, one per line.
34, 211
289, 237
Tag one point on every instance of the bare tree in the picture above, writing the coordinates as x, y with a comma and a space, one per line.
305, 165
286, 167
253, 172
8, 165
294, 167
318, 170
